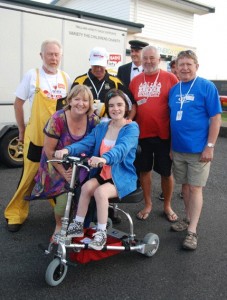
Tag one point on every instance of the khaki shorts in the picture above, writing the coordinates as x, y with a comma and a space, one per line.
187, 169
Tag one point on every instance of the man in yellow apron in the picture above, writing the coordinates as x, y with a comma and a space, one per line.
44, 87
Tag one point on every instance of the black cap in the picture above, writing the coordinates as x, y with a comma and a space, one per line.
135, 44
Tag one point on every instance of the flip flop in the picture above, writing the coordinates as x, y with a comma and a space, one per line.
142, 216
171, 217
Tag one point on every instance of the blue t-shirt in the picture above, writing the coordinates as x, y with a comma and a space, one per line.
190, 120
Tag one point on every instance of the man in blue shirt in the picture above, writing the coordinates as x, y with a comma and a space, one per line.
195, 119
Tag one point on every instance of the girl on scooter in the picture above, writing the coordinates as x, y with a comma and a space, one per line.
112, 145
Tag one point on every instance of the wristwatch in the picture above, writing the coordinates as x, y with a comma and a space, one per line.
210, 145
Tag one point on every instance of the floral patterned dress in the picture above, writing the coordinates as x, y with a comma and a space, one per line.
49, 183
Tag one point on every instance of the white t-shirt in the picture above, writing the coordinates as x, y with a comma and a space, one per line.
52, 85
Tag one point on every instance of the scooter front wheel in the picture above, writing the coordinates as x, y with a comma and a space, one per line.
55, 272
152, 240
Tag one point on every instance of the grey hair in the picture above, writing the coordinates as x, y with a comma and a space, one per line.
153, 48
46, 42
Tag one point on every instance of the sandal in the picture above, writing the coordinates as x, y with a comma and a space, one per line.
171, 217
180, 225
190, 241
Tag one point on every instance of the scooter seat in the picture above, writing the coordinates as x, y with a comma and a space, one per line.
134, 197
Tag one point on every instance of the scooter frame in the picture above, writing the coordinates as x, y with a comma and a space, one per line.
57, 269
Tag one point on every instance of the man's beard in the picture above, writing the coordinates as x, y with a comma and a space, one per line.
50, 69
150, 69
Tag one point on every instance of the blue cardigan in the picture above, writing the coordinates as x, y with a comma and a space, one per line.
121, 157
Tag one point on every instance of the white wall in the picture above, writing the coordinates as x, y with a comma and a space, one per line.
172, 30
118, 9
163, 23
210, 34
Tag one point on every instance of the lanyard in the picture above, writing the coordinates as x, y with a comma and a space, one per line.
183, 99
97, 92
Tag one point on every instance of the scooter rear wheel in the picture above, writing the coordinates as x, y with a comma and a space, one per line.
55, 272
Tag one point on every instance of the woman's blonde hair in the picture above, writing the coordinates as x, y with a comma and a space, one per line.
85, 91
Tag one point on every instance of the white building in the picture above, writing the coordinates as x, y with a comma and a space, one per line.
168, 24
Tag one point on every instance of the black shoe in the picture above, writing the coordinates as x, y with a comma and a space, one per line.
161, 197
13, 227
114, 219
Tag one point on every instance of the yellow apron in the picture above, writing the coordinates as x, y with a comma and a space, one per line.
42, 108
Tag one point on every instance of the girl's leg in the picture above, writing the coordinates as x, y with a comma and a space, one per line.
87, 191
102, 195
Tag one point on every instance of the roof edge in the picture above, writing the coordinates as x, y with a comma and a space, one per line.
211, 9
80, 14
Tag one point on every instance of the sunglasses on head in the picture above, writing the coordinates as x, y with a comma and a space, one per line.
186, 52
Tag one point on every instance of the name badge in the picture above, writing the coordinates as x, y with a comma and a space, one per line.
179, 115
189, 97
142, 101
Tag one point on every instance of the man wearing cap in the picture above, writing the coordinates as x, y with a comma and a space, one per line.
128, 71
99, 80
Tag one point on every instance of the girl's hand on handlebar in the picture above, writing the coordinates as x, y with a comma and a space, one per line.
60, 153
96, 162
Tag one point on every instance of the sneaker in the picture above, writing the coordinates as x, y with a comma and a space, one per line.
75, 229
161, 197
190, 241
180, 225
99, 240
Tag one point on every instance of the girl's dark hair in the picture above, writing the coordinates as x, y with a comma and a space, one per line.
114, 93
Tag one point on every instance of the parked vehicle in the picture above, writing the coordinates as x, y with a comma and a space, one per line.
222, 90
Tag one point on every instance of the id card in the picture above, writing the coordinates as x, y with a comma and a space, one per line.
179, 115
190, 97
142, 101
